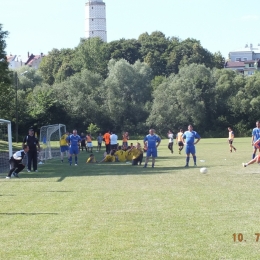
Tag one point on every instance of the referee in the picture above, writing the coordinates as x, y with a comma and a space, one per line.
33, 143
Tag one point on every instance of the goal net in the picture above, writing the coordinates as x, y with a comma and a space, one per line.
50, 141
6, 150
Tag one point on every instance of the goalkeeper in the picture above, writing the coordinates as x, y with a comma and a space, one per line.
16, 162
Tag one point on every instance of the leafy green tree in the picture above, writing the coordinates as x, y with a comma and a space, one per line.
93, 129
43, 105
5, 78
57, 65
245, 103
125, 49
188, 97
80, 96
182, 53
153, 48
158, 80
227, 85
91, 54
128, 91
27, 77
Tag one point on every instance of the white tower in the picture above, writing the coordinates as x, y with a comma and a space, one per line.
95, 22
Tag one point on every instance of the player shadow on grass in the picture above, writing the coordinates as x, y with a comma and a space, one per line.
104, 169
23, 213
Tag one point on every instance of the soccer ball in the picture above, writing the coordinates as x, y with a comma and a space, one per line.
203, 170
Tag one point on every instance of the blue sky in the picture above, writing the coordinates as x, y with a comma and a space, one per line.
220, 25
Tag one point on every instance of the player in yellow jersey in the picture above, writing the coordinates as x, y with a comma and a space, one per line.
64, 148
179, 140
109, 157
231, 137
91, 159
129, 155
120, 155
137, 153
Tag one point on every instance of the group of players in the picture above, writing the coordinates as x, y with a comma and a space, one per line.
71, 143
114, 152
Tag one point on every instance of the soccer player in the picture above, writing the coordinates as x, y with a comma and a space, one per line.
74, 141
129, 154
120, 154
137, 154
152, 141
256, 159
188, 139
109, 157
231, 137
170, 136
255, 137
91, 159
33, 143
64, 148
16, 162
179, 140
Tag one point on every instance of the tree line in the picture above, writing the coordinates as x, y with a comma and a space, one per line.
131, 85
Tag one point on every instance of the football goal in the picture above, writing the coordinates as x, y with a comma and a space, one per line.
6, 150
50, 141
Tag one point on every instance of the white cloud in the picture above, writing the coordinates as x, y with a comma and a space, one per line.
250, 18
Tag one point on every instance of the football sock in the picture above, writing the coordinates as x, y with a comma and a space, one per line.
194, 159
253, 156
70, 159
76, 159
187, 160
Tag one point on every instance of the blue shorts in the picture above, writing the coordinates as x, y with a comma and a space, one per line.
74, 150
64, 148
151, 152
190, 149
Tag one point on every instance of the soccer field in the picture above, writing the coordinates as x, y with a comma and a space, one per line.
120, 211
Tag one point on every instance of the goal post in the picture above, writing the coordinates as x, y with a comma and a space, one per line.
6, 144
50, 141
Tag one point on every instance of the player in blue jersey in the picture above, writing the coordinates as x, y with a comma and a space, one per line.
151, 141
188, 139
255, 137
74, 141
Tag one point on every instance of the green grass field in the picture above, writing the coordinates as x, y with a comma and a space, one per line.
119, 211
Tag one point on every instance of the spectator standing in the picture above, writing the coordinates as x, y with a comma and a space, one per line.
106, 139
125, 137
89, 143
113, 141
99, 142
83, 142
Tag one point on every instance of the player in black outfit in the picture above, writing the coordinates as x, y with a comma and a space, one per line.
33, 143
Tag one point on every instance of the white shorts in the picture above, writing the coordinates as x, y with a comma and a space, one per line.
89, 145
